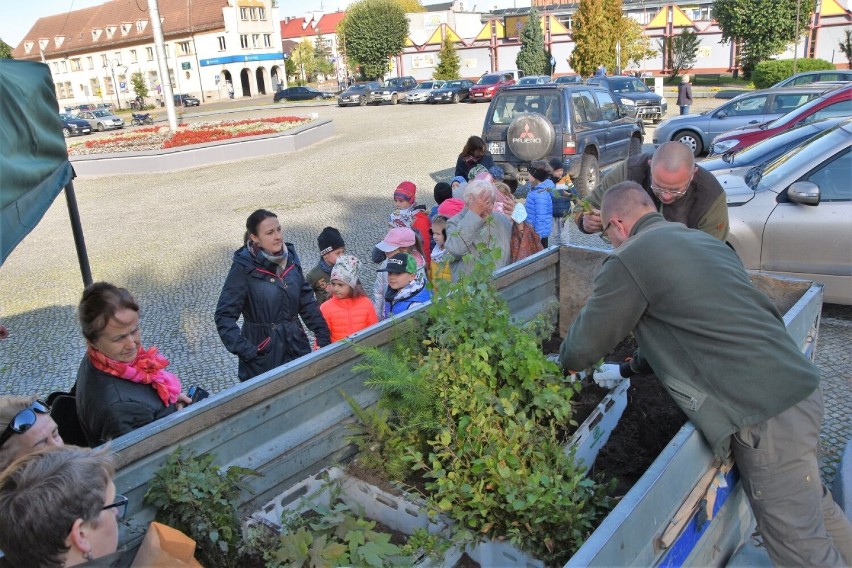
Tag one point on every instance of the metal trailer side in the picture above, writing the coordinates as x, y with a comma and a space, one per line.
291, 422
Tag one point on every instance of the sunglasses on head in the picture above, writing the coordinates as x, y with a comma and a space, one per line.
24, 420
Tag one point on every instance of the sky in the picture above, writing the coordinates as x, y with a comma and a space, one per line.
19, 16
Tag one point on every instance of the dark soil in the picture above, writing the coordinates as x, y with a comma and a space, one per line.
648, 424
466, 562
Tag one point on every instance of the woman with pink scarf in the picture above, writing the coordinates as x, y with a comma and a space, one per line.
121, 385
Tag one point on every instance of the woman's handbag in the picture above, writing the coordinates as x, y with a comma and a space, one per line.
525, 241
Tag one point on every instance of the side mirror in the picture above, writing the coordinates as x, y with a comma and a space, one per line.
804, 192
721, 114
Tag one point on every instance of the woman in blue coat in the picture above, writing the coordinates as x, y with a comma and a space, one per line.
539, 202
267, 287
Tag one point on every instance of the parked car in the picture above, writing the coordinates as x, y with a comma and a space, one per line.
301, 94
582, 125
534, 80
422, 92
634, 94
815, 76
452, 91
698, 130
835, 102
186, 101
769, 149
358, 93
73, 126
393, 90
791, 216
102, 119
568, 79
488, 85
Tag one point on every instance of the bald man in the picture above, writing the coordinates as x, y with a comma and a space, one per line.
680, 190
720, 348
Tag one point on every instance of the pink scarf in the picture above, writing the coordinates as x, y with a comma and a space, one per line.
147, 368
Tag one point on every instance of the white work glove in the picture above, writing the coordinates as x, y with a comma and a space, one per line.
607, 376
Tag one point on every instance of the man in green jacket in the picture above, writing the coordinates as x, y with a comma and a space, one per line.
720, 348
680, 190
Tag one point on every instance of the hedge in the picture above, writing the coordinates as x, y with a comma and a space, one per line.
767, 73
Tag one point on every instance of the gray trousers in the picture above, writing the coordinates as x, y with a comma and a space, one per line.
777, 459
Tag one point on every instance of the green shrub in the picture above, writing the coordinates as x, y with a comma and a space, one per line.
478, 408
767, 73
197, 498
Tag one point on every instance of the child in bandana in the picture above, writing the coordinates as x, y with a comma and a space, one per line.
349, 310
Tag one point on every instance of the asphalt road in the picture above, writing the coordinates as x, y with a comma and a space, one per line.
169, 238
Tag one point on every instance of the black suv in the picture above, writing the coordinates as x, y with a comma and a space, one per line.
635, 96
581, 124
186, 101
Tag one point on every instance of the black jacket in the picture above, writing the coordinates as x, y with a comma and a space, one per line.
270, 307
463, 168
109, 407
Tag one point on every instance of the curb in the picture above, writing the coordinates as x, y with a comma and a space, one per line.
185, 157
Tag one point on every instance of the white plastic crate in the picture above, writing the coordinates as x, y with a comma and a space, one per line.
595, 430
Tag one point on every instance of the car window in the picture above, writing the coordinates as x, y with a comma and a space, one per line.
832, 177
785, 103
609, 109
749, 106
489, 79
585, 109
840, 108
100, 113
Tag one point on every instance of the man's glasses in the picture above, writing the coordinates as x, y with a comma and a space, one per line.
24, 420
120, 506
604, 237
673, 192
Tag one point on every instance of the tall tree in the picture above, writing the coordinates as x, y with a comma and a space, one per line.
448, 65
410, 6
322, 56
681, 51
845, 46
763, 27
140, 87
635, 46
5, 50
373, 32
532, 58
596, 26
304, 60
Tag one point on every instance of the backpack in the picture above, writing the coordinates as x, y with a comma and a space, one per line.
525, 241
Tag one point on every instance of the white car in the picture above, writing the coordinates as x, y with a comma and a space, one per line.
793, 216
422, 92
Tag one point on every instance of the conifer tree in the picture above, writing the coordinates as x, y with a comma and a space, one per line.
532, 59
449, 65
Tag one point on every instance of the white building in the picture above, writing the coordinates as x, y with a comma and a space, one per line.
94, 52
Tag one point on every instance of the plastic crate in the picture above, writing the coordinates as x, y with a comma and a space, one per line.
594, 432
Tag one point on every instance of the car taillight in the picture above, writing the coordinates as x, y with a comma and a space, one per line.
570, 145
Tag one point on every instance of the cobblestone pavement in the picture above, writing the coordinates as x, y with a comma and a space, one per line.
169, 238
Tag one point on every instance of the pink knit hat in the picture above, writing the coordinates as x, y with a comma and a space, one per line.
450, 207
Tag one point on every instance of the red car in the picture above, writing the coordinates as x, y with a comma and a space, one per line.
489, 84
837, 102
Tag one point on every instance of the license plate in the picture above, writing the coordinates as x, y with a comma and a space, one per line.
477, 94
497, 147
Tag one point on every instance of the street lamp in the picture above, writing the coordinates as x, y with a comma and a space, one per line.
114, 85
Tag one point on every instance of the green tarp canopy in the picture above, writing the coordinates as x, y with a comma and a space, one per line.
34, 164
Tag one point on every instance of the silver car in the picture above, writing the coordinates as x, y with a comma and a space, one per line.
793, 216
102, 119
698, 130
421, 93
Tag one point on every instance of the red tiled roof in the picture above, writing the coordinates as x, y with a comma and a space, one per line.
297, 28
179, 17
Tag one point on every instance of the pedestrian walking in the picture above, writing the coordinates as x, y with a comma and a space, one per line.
684, 95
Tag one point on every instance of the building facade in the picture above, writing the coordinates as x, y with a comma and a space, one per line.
214, 48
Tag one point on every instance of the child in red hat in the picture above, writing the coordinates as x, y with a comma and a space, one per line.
408, 214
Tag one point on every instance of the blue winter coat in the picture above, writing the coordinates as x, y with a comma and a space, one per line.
539, 205
270, 307
397, 302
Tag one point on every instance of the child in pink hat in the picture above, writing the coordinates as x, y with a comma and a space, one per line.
407, 213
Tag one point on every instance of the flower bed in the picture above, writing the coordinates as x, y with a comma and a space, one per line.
160, 138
